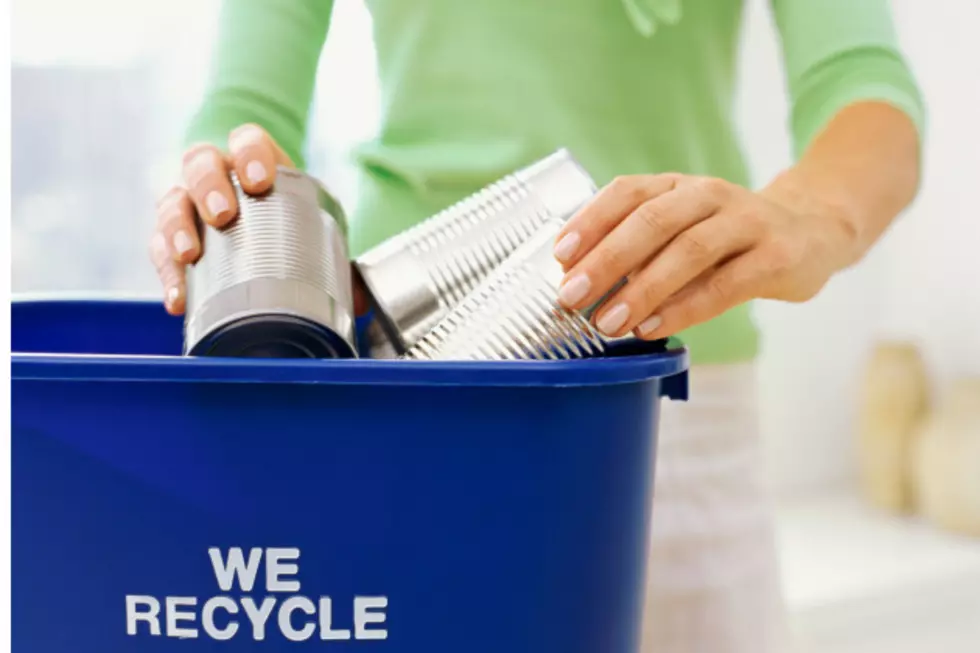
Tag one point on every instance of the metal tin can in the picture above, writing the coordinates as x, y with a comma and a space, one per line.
276, 282
418, 276
515, 315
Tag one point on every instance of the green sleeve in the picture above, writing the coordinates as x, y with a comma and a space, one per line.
263, 70
836, 53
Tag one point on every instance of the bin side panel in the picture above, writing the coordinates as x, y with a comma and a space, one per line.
492, 519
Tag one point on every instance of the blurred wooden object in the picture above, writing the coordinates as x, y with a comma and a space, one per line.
947, 461
895, 400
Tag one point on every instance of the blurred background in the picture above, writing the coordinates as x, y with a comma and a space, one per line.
882, 557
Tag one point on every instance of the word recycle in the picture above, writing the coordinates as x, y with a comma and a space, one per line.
297, 618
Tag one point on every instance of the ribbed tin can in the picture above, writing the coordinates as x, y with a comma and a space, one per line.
276, 282
514, 314
418, 276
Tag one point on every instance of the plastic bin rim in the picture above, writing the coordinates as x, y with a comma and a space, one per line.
155, 369
67, 367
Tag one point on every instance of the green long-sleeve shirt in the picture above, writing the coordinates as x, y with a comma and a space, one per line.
474, 89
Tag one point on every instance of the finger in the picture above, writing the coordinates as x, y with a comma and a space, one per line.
683, 260
255, 156
642, 235
207, 181
606, 210
177, 222
732, 284
170, 273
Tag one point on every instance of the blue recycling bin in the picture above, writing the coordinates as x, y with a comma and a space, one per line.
169, 504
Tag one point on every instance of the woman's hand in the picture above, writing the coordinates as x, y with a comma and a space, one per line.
694, 247
206, 193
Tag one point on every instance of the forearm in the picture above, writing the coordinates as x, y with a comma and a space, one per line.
863, 169
857, 118
263, 71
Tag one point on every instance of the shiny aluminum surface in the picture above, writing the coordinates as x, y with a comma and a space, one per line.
514, 314
277, 280
418, 276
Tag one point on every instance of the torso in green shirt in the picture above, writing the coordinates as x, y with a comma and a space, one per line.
474, 89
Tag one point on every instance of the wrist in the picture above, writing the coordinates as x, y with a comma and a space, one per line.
831, 209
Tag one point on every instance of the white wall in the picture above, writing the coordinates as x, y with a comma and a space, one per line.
922, 282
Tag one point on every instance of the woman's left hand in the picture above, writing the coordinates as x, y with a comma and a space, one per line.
694, 247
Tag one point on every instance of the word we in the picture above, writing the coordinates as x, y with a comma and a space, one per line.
222, 617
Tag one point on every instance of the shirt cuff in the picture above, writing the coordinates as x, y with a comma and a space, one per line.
860, 75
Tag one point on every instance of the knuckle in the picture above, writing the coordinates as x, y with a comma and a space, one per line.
173, 212
712, 186
678, 312
170, 219
621, 184
174, 195
248, 129
157, 249
673, 179
650, 296
203, 166
171, 274
694, 245
608, 259
629, 186
652, 216
247, 136
610, 265
197, 151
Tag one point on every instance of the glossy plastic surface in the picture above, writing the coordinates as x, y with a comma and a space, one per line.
496, 507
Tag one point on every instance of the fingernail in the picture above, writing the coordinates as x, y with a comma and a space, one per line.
217, 204
255, 172
567, 246
173, 294
574, 290
649, 325
613, 319
183, 242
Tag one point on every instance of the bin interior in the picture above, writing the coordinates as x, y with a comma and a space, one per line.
138, 340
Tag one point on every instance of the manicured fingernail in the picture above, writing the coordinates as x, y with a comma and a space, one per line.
173, 294
613, 319
255, 172
567, 246
574, 290
217, 204
649, 325
183, 242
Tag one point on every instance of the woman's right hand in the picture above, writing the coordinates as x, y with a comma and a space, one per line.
206, 193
